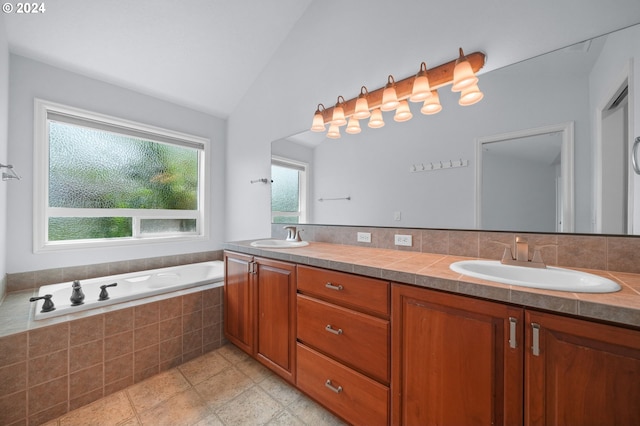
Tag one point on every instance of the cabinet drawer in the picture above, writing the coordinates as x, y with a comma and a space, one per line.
356, 398
361, 341
364, 293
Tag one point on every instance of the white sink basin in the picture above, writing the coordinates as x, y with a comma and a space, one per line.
550, 278
278, 244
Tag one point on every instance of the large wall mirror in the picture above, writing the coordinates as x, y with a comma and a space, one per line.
489, 166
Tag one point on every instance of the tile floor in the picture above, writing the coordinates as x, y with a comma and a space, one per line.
222, 387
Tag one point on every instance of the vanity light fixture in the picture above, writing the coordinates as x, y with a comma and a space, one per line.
421, 87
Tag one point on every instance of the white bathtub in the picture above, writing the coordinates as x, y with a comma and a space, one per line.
131, 286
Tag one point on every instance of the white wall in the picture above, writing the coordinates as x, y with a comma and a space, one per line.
4, 118
30, 79
338, 46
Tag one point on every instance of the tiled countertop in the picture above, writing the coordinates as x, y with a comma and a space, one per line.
432, 271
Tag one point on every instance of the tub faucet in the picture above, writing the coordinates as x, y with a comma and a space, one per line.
77, 295
293, 234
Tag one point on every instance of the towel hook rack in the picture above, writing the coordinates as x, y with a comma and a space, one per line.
10, 174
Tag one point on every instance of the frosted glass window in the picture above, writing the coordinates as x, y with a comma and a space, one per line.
288, 191
103, 180
91, 168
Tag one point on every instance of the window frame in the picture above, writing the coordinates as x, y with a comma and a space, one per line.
303, 184
41, 212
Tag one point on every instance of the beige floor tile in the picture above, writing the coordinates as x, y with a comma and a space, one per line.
185, 408
157, 389
311, 413
252, 407
130, 422
285, 418
252, 368
204, 367
223, 387
280, 390
111, 410
232, 353
211, 420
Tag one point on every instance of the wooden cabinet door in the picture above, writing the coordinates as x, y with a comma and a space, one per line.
457, 360
276, 300
239, 314
580, 373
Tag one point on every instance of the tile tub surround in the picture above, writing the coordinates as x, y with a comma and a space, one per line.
48, 371
34, 279
431, 270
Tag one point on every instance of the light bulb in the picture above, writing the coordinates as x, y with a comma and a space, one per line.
470, 95
353, 127
376, 121
334, 131
421, 89
431, 104
403, 112
463, 75
389, 96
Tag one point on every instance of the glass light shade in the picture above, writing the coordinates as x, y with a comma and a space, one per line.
353, 127
334, 131
431, 104
421, 89
403, 112
362, 108
338, 116
318, 122
463, 75
389, 96
376, 121
470, 95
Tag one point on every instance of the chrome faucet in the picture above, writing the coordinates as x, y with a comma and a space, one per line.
522, 254
293, 234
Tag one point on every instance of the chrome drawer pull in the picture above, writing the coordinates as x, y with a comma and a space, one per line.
332, 330
535, 349
334, 287
513, 342
333, 388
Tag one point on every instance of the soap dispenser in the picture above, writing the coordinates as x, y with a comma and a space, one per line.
77, 296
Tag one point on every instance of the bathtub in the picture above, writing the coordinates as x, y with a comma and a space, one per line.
130, 286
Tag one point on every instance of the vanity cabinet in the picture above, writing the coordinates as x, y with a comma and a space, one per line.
343, 349
260, 313
457, 360
580, 373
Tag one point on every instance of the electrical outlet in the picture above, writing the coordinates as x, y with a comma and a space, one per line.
403, 240
364, 237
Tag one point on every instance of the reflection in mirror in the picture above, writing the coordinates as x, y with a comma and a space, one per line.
525, 180
381, 172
